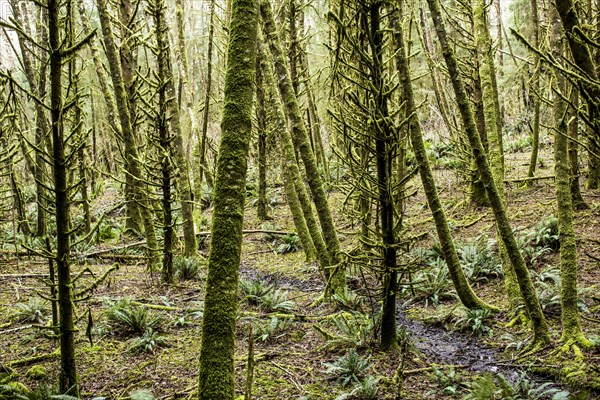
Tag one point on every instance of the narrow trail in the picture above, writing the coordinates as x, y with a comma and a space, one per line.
438, 345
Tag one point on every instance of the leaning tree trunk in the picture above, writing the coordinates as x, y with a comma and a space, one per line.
172, 108
292, 173
491, 114
335, 272
532, 305
132, 158
216, 375
463, 289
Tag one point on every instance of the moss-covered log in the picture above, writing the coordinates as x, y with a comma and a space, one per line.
216, 374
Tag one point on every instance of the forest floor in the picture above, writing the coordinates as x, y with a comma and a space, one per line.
308, 350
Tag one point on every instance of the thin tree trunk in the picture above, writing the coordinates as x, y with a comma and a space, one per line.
209, 79
261, 125
535, 134
68, 372
573, 128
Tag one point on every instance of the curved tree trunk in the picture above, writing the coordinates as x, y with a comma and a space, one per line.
127, 133
463, 289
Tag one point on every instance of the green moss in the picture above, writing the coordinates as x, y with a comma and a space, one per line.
37, 372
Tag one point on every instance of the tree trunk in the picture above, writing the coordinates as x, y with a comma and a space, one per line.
68, 372
571, 328
532, 305
261, 126
216, 374
172, 109
573, 128
463, 289
535, 130
209, 66
127, 133
335, 271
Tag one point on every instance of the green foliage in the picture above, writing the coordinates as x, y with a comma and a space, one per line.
449, 380
107, 230
33, 311
433, 284
142, 394
148, 342
253, 291
545, 233
273, 328
188, 268
520, 144
206, 196
513, 342
366, 389
486, 387
478, 260
348, 299
132, 318
348, 368
474, 319
264, 295
348, 329
288, 244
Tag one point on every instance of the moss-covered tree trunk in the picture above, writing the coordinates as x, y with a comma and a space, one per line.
216, 372
535, 129
131, 153
206, 113
573, 133
165, 138
532, 305
491, 116
68, 372
37, 85
463, 289
183, 177
261, 127
335, 271
571, 328
303, 212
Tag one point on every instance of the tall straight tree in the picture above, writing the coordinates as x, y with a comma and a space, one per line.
572, 335
216, 371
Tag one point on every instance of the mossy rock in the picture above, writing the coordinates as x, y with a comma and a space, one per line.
37, 373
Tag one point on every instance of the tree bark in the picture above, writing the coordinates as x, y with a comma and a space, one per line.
335, 271
532, 305
216, 372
